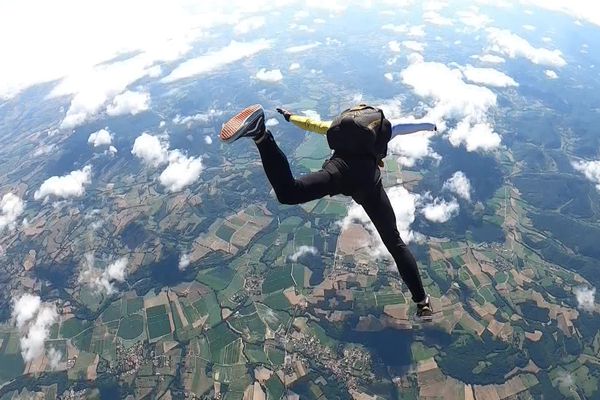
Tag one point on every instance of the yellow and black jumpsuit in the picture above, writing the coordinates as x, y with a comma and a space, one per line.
355, 176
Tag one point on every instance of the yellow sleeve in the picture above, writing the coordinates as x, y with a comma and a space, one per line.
311, 125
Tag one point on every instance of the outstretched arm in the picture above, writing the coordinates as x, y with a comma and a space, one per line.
404, 129
305, 123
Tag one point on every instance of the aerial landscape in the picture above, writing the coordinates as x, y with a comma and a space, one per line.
143, 258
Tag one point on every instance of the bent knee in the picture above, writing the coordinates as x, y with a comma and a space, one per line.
287, 198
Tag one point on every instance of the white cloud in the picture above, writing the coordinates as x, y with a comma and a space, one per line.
412, 148
489, 58
550, 74
272, 76
395, 28
129, 102
67, 186
181, 172
302, 47
54, 357
414, 46
100, 138
416, 31
479, 136
200, 117
512, 45
578, 9
389, 76
112, 150
152, 150
208, 139
585, 298
294, 66
102, 281
303, 250
249, 24
474, 19
184, 262
528, 27
33, 319
271, 122
591, 170
459, 184
440, 210
11, 206
433, 17
394, 46
209, 62
488, 76
454, 98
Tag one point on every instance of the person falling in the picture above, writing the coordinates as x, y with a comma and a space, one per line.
358, 137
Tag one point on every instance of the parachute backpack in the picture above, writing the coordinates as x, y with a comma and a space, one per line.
360, 131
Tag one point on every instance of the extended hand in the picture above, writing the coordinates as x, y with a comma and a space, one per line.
286, 114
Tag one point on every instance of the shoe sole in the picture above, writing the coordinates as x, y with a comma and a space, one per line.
234, 128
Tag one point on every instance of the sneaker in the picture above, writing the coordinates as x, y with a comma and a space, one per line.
250, 122
424, 310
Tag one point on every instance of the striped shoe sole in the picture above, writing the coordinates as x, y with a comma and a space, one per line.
233, 128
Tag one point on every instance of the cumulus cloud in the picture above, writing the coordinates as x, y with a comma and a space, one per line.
265, 75
394, 46
412, 148
585, 298
578, 9
208, 139
454, 98
528, 27
67, 186
205, 117
33, 319
389, 76
479, 136
100, 280
271, 122
488, 76
302, 251
184, 262
249, 24
474, 19
395, 28
100, 138
591, 170
151, 149
11, 206
129, 102
302, 47
440, 210
511, 45
209, 62
181, 172
459, 184
414, 46
54, 357
294, 66
550, 74
435, 18
489, 58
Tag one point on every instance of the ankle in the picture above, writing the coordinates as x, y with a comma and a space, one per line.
424, 301
260, 137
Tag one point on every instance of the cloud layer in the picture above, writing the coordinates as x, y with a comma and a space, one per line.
129, 102
511, 45
67, 186
488, 77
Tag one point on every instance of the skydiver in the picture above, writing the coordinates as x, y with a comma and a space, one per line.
358, 138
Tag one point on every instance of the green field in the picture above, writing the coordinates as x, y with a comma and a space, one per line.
255, 354
278, 278
216, 278
225, 232
289, 224
208, 305
277, 301
276, 356
298, 272
131, 327
236, 284
11, 366
251, 326
384, 299
134, 305
225, 345
274, 319
112, 312
73, 327
158, 321
304, 237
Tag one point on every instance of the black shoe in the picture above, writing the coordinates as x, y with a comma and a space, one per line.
250, 122
424, 310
